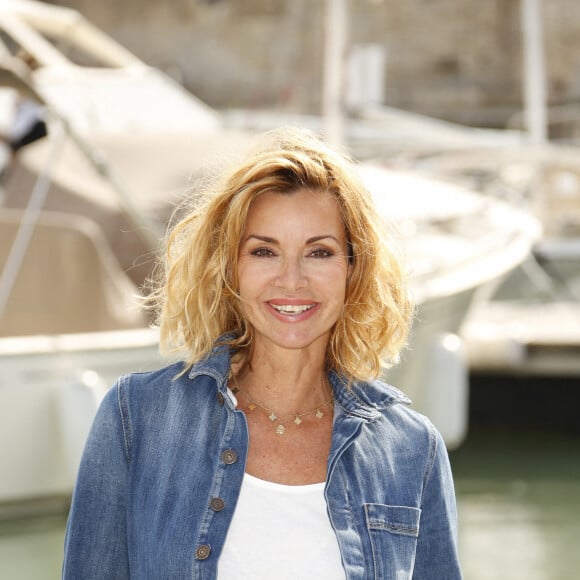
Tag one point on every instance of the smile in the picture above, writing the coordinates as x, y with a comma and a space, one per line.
292, 308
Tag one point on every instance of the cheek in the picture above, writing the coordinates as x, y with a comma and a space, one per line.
251, 278
333, 281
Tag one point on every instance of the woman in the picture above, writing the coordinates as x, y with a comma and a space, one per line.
271, 450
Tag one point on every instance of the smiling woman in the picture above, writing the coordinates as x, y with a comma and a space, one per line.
198, 296
292, 270
271, 449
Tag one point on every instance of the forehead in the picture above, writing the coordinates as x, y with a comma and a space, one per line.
318, 206
295, 218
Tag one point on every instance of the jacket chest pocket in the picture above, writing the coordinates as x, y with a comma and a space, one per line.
393, 532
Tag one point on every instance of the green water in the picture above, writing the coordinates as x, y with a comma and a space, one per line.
519, 506
518, 500
31, 548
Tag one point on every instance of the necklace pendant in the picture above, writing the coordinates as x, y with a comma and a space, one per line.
272, 416
319, 414
280, 430
297, 420
251, 406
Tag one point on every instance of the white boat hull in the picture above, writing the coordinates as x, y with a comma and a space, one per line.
50, 388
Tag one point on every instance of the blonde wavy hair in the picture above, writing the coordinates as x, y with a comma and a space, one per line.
196, 295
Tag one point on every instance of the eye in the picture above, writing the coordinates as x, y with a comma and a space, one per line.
262, 252
321, 253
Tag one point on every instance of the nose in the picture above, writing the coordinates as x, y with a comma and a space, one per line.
291, 275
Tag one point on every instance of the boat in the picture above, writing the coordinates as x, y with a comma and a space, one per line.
113, 121
459, 245
83, 210
530, 323
81, 214
70, 327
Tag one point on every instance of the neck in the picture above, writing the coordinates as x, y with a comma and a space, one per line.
285, 380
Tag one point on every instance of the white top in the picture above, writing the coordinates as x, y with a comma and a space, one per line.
282, 532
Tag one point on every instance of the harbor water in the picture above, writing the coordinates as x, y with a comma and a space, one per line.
518, 488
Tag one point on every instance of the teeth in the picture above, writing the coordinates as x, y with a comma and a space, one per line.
292, 309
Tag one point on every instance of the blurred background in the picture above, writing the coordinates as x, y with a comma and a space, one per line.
464, 117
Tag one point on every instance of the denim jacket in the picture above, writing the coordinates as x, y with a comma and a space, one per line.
164, 462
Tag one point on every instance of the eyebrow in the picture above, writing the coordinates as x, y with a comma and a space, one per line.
269, 240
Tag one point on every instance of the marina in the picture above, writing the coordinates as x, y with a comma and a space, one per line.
79, 231
490, 226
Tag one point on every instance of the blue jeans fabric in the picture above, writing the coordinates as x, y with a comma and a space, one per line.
163, 447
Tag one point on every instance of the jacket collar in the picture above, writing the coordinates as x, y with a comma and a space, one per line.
216, 364
363, 399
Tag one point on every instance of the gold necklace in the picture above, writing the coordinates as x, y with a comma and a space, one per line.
276, 418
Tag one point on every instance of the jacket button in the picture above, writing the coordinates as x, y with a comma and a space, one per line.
217, 504
220, 398
229, 456
202, 552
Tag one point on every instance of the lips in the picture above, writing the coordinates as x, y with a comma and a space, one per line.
292, 309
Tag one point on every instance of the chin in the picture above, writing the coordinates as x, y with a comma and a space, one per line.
298, 342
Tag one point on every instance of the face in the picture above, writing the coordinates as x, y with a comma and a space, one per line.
293, 268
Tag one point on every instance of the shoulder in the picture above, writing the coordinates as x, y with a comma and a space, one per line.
156, 405
171, 387
158, 390
395, 413
393, 437
159, 378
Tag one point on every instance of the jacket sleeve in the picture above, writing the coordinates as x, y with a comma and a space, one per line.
96, 535
436, 556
